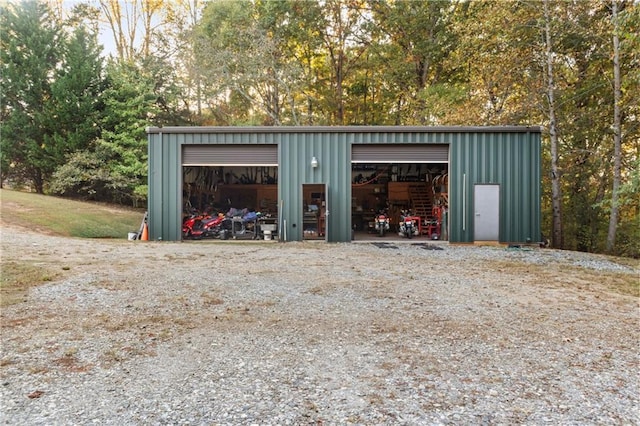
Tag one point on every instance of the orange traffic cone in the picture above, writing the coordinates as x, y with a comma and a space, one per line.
145, 233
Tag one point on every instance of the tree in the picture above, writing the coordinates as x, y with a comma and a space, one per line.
345, 38
570, 62
114, 167
133, 24
86, 177
224, 48
585, 106
76, 95
415, 41
493, 75
247, 73
52, 82
130, 104
556, 191
29, 55
294, 27
616, 125
176, 44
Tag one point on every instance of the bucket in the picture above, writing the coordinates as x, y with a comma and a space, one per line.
132, 236
267, 235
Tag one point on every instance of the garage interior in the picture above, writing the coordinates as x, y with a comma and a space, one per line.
421, 188
233, 191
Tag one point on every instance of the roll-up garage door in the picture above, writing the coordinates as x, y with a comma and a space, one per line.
399, 153
230, 155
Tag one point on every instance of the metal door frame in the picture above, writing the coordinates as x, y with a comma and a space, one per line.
478, 213
324, 190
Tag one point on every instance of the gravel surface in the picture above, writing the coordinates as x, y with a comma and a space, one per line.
200, 333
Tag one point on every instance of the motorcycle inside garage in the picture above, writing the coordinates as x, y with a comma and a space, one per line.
415, 193
400, 188
238, 202
229, 191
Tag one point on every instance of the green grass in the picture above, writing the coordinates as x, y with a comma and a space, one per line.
69, 218
55, 216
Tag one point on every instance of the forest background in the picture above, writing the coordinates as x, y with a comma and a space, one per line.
73, 116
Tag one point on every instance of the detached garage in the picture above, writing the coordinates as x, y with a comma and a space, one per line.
464, 184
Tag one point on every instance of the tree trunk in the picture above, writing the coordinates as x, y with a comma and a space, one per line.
38, 181
339, 89
617, 137
556, 190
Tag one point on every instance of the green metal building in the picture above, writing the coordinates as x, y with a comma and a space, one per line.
485, 181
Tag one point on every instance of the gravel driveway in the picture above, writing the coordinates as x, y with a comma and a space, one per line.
201, 333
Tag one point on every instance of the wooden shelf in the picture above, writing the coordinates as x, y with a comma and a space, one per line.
256, 196
399, 191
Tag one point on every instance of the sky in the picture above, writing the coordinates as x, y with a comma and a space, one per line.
105, 37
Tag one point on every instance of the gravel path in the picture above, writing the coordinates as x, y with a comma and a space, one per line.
200, 333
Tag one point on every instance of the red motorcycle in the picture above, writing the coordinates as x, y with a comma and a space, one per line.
190, 223
381, 223
211, 227
408, 226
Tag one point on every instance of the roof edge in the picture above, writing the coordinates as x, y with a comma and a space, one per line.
344, 129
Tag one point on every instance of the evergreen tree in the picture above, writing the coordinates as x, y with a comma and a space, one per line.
76, 95
114, 167
30, 55
51, 87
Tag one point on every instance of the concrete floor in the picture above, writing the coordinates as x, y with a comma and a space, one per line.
391, 236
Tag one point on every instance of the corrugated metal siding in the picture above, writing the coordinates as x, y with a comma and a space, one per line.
507, 156
401, 135
400, 153
334, 169
509, 159
229, 155
227, 138
165, 187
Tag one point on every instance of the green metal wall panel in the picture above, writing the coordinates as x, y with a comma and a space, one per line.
165, 187
508, 156
334, 170
511, 160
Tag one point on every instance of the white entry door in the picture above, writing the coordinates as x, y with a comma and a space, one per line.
486, 224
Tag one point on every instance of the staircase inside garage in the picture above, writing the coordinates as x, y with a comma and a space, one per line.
421, 199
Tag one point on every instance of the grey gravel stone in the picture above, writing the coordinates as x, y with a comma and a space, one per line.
134, 333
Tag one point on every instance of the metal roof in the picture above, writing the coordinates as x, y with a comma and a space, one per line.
344, 129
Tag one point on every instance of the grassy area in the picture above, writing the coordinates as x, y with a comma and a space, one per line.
55, 216
59, 216
16, 278
579, 278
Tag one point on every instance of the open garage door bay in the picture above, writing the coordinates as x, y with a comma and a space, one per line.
400, 179
233, 180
